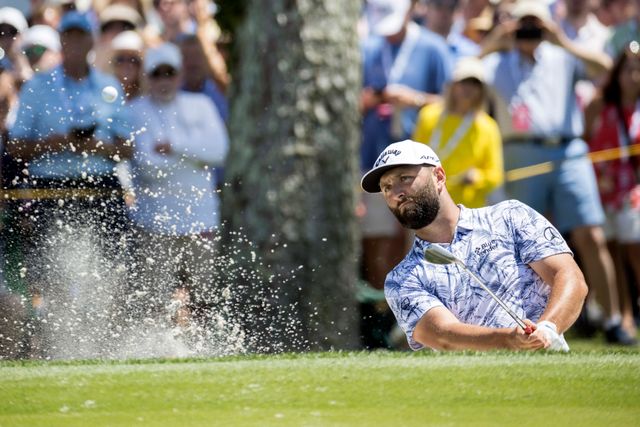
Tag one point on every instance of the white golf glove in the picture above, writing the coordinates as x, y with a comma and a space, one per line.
550, 330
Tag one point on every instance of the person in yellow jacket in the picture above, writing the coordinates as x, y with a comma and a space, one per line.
466, 139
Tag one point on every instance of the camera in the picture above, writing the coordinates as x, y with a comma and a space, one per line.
83, 132
529, 31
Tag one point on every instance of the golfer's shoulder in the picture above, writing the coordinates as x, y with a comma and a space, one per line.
407, 270
507, 211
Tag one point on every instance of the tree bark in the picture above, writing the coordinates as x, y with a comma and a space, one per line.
291, 175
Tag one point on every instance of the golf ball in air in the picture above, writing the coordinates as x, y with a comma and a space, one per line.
109, 93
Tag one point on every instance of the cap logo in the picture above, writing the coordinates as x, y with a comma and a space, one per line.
384, 157
429, 158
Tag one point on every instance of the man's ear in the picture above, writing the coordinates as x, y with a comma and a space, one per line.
441, 177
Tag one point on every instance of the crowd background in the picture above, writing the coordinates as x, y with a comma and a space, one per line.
144, 171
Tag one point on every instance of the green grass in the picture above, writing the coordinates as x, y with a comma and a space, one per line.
582, 388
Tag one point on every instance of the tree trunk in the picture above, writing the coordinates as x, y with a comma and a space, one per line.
292, 172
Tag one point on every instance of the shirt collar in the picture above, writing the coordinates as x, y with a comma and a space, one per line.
463, 227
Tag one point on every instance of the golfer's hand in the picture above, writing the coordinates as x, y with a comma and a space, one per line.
556, 342
520, 340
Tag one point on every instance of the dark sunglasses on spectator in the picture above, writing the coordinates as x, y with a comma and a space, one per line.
35, 51
8, 31
127, 59
163, 72
117, 25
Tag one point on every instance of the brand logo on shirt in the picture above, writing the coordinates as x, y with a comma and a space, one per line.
486, 247
550, 234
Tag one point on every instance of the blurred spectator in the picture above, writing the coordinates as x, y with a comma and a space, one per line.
541, 122
46, 13
114, 19
405, 68
127, 50
126, 62
12, 24
176, 209
198, 74
69, 139
477, 28
613, 122
465, 138
41, 46
175, 18
612, 13
581, 25
439, 19
625, 33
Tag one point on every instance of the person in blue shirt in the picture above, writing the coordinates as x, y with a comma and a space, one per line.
68, 137
533, 69
516, 251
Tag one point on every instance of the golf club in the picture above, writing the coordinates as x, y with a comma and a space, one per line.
437, 255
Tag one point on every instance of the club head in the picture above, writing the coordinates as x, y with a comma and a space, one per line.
437, 255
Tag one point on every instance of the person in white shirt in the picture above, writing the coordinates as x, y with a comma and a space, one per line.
180, 140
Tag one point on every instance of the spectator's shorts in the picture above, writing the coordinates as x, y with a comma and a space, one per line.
568, 194
378, 220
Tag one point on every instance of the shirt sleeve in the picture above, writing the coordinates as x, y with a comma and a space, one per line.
409, 300
26, 117
535, 238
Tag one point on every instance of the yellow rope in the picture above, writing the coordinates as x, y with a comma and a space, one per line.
596, 157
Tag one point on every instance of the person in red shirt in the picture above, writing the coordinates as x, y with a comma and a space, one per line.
613, 122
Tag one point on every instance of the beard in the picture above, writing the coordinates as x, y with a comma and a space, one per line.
423, 211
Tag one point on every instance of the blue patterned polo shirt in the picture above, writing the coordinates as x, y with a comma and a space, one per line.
498, 243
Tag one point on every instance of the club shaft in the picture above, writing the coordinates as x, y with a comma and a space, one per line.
497, 299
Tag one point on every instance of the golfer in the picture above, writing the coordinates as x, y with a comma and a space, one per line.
519, 255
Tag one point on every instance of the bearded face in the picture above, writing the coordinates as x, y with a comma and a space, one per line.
420, 209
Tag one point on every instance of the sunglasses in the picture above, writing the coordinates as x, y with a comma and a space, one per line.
35, 51
126, 59
8, 31
163, 73
117, 26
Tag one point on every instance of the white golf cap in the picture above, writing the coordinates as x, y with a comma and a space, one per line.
468, 67
401, 153
15, 18
127, 40
386, 17
536, 8
165, 54
41, 35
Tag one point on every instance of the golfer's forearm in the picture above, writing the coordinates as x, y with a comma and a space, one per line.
462, 336
568, 293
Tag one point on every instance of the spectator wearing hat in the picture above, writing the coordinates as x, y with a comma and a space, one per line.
541, 121
176, 211
127, 50
466, 139
114, 19
69, 138
41, 46
12, 25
